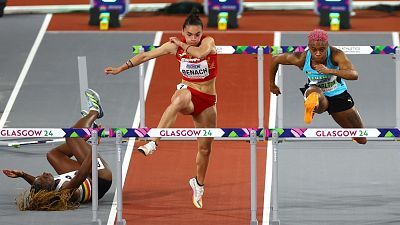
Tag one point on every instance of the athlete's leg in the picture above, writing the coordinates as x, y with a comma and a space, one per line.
180, 103
60, 157
350, 119
315, 102
323, 103
206, 119
78, 146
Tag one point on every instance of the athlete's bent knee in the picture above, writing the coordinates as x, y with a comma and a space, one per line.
50, 156
180, 100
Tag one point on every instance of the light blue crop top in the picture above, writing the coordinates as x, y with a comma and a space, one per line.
330, 85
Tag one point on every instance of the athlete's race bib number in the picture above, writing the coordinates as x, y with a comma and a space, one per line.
181, 86
191, 70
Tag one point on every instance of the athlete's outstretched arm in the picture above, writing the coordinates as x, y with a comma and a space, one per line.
206, 47
166, 48
19, 173
284, 59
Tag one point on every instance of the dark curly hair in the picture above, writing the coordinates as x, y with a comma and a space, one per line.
193, 19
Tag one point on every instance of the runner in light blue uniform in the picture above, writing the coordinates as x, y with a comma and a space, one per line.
330, 85
326, 68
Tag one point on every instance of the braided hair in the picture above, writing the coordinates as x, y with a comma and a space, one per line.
44, 200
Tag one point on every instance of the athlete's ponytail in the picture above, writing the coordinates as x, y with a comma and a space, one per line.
193, 19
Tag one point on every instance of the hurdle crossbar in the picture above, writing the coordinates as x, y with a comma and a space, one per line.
183, 133
280, 135
247, 49
253, 135
260, 50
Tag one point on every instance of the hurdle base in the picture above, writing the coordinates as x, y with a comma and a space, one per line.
123, 222
276, 222
254, 222
98, 222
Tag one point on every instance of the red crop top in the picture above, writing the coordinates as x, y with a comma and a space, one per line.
194, 69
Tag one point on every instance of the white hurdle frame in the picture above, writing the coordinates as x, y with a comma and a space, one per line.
120, 221
260, 76
397, 60
83, 80
276, 140
95, 188
260, 96
141, 93
250, 134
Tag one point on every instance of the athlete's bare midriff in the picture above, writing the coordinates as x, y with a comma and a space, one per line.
207, 87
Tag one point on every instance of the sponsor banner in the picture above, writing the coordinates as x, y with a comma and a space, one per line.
107, 5
185, 132
225, 50
31, 132
355, 50
333, 5
225, 5
337, 133
274, 50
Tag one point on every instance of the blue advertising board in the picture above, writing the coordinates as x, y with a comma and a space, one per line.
107, 5
333, 5
223, 6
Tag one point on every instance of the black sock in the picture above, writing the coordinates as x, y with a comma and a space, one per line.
201, 185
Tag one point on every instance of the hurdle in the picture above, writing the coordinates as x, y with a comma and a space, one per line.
397, 59
293, 134
83, 86
262, 50
251, 134
276, 135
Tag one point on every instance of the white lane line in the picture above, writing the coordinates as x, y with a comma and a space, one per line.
395, 36
131, 142
268, 168
25, 70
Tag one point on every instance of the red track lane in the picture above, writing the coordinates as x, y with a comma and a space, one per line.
156, 189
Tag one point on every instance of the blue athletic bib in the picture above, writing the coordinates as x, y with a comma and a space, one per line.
330, 85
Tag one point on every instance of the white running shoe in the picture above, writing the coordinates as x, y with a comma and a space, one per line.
148, 148
197, 193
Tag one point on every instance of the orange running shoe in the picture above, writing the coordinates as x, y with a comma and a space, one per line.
309, 106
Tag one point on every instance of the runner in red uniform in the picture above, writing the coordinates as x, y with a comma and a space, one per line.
195, 95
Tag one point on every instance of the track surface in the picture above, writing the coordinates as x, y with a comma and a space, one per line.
156, 189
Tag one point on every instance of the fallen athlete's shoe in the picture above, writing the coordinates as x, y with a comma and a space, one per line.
197, 193
309, 106
93, 100
148, 148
